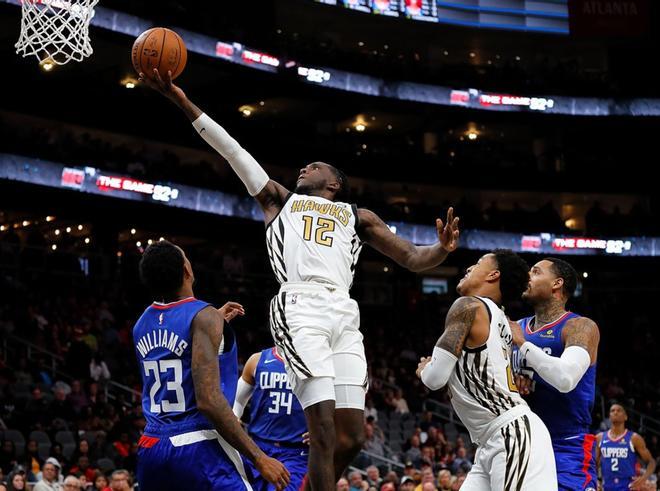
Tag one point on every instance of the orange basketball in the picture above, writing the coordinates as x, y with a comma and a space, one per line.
159, 48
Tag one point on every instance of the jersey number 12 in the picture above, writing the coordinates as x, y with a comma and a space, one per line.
324, 226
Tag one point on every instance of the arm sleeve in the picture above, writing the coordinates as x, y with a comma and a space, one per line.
243, 393
244, 165
564, 372
436, 373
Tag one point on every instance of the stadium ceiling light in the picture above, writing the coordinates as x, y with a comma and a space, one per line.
129, 82
138, 243
80, 227
472, 54
47, 65
50, 218
446, 53
246, 110
133, 231
472, 135
57, 231
68, 230
585, 275
87, 240
360, 127
25, 223
2, 228
360, 44
389, 126
54, 247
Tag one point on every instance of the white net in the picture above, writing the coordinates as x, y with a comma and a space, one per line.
56, 30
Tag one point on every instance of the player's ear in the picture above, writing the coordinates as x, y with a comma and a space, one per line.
494, 275
334, 186
558, 284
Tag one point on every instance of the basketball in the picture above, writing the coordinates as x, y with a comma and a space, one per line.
159, 48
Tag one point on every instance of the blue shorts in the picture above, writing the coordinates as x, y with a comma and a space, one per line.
198, 460
576, 462
293, 458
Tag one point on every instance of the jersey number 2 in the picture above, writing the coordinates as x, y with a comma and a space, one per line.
160, 367
615, 464
324, 226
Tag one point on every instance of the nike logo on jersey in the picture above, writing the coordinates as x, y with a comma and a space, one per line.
202, 131
269, 361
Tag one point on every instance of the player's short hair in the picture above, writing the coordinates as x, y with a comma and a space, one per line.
562, 269
514, 275
161, 269
342, 179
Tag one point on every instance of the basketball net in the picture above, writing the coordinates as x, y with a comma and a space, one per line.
56, 30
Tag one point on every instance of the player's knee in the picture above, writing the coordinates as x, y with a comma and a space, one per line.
322, 434
350, 443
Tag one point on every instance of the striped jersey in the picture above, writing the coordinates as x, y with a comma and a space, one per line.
313, 239
482, 385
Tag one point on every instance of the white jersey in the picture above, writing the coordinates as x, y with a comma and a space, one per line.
315, 240
482, 384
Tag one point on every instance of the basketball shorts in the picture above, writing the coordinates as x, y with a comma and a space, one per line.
576, 462
294, 459
317, 332
200, 460
517, 456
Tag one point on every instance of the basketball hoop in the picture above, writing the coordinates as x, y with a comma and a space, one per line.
56, 30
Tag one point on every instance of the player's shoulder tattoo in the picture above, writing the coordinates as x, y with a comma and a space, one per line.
583, 332
459, 321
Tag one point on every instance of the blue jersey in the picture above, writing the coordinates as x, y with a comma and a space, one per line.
567, 414
275, 413
617, 461
163, 345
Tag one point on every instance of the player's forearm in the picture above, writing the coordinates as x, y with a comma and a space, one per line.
254, 177
191, 111
243, 393
218, 411
426, 257
563, 373
650, 468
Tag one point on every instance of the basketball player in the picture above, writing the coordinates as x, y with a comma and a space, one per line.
314, 240
473, 357
560, 349
277, 420
617, 454
191, 436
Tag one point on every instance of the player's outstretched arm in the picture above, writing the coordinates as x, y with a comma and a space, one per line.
268, 193
435, 370
415, 258
246, 385
642, 450
581, 338
207, 334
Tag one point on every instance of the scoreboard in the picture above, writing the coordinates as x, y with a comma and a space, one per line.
549, 16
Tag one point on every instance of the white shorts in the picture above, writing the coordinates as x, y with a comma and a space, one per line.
518, 456
317, 332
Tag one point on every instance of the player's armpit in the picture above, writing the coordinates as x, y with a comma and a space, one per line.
458, 325
272, 198
378, 235
582, 332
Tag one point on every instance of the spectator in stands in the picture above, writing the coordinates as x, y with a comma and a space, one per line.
400, 404
82, 467
373, 476
36, 410
407, 484
370, 411
414, 453
32, 460
356, 481
2, 485
71, 483
101, 483
444, 480
121, 481
61, 407
123, 445
342, 485
427, 478
7, 457
434, 437
373, 443
16, 481
98, 369
458, 483
50, 479
461, 461
57, 452
388, 486
77, 397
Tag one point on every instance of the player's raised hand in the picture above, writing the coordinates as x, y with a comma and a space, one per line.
230, 310
164, 85
423, 361
273, 471
448, 232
